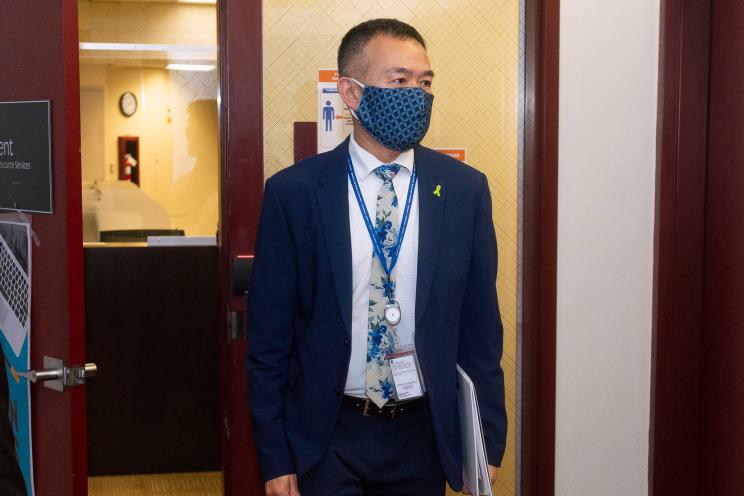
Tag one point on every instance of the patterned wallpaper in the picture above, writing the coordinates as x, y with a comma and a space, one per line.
474, 50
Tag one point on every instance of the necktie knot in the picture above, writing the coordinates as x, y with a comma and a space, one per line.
387, 172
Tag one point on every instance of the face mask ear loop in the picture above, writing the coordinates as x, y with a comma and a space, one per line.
353, 113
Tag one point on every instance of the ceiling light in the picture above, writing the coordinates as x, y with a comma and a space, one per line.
146, 47
190, 67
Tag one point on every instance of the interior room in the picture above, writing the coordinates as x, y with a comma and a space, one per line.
149, 81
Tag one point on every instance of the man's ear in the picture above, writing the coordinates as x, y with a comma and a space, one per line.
350, 92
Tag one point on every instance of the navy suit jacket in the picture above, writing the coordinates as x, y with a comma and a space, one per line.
300, 304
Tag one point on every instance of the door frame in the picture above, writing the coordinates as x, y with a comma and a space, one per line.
684, 57
540, 248
241, 193
241, 189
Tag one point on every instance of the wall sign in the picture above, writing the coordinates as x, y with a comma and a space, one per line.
26, 156
334, 119
456, 153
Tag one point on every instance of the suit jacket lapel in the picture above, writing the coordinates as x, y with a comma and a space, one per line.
431, 207
333, 200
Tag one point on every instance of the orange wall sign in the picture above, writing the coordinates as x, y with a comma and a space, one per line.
458, 153
327, 75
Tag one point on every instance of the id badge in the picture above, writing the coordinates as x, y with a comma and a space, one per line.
404, 369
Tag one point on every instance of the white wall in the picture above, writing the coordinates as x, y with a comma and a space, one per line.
92, 121
607, 140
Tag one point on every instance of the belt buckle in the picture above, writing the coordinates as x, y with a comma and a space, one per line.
365, 412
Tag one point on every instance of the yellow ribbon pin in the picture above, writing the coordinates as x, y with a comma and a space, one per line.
438, 190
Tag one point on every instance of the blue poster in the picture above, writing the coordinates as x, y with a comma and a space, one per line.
15, 325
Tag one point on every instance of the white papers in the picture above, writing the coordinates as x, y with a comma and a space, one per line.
474, 459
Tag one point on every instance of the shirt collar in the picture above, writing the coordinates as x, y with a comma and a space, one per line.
364, 162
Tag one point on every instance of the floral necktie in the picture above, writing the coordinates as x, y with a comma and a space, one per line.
381, 336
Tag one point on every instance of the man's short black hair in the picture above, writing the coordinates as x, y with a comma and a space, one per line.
355, 41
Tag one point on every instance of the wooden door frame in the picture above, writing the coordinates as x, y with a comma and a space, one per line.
679, 247
241, 193
241, 187
540, 242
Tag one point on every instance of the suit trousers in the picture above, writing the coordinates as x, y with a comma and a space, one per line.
377, 456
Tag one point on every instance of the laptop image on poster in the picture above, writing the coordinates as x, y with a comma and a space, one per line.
14, 285
474, 458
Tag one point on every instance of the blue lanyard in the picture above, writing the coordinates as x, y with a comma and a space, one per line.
376, 243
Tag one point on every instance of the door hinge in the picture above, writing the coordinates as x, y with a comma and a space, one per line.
236, 325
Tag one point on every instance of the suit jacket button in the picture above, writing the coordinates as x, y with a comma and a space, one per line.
346, 341
338, 392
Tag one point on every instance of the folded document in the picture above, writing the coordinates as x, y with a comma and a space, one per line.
474, 459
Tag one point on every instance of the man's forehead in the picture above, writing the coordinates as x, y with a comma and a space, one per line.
396, 55
393, 43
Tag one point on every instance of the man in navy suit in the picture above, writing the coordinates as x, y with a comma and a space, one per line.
374, 275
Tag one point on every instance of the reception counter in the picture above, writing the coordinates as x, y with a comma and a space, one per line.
152, 328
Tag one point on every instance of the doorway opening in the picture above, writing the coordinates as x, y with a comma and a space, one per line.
150, 153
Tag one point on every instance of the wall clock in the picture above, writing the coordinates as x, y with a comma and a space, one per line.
128, 104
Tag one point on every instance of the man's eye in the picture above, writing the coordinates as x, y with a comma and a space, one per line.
426, 83
400, 81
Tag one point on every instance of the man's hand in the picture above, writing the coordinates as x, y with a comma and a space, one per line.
284, 485
493, 474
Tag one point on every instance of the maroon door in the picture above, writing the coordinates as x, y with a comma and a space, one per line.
39, 43
722, 350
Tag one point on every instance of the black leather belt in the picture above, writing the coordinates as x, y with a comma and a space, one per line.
391, 409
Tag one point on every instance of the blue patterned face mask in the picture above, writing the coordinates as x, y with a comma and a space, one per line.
396, 117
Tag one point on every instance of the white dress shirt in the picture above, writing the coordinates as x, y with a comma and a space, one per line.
361, 259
